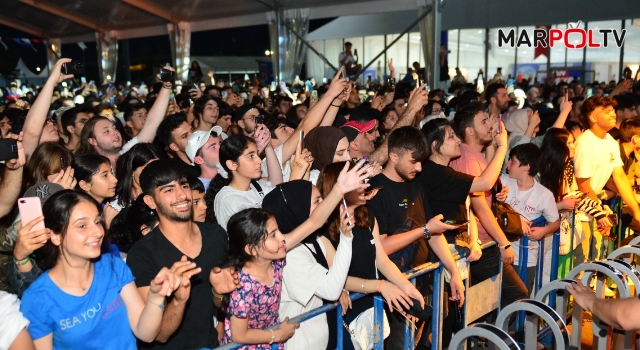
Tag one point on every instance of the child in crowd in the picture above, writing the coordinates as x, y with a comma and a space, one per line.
257, 250
533, 201
197, 199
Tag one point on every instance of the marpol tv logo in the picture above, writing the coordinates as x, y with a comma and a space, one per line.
573, 37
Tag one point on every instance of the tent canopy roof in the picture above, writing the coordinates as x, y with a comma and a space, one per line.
78, 20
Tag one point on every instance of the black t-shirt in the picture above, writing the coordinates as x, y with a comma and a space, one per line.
393, 202
153, 252
446, 192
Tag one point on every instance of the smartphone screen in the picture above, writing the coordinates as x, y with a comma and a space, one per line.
83, 80
301, 139
344, 72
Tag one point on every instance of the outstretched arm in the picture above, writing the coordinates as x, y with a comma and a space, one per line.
156, 113
37, 115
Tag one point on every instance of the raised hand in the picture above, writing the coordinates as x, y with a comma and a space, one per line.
353, 179
56, 71
16, 163
65, 179
262, 137
346, 224
566, 104
338, 84
502, 195
27, 242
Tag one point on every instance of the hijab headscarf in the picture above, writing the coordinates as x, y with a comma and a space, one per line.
322, 143
290, 204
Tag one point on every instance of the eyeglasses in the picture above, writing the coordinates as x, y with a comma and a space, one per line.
436, 111
258, 119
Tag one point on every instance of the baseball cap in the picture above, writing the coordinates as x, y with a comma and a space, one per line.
198, 139
241, 111
353, 128
43, 190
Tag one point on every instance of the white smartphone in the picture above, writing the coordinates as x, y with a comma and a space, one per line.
30, 208
344, 203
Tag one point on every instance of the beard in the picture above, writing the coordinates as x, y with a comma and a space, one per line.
175, 216
406, 176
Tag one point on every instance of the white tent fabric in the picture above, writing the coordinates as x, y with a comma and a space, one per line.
234, 65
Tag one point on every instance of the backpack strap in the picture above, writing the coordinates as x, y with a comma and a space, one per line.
257, 187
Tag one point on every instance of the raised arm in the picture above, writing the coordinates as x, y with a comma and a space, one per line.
156, 113
565, 109
488, 178
37, 115
417, 100
347, 182
315, 115
12, 179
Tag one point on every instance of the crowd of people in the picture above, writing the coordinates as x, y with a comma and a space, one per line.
190, 219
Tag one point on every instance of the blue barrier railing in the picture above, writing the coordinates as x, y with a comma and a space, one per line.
437, 268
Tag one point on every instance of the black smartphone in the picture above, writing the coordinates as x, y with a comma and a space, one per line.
73, 67
8, 149
613, 218
168, 76
373, 189
64, 163
260, 119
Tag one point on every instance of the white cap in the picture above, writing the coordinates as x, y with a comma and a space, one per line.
198, 139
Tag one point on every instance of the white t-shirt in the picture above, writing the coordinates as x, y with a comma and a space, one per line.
286, 170
230, 201
305, 284
349, 59
531, 204
596, 158
12, 322
127, 146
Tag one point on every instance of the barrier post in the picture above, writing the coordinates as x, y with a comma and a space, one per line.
340, 326
378, 327
436, 322
523, 259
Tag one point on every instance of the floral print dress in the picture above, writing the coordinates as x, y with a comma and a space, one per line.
256, 302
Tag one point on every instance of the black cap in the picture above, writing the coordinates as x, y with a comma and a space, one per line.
240, 112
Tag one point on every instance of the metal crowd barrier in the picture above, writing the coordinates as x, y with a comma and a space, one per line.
437, 268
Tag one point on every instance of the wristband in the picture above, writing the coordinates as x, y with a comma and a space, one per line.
273, 336
21, 262
217, 296
507, 246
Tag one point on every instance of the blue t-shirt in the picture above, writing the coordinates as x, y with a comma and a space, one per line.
97, 320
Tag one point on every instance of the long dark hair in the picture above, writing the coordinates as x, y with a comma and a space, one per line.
88, 133
46, 160
125, 227
57, 213
327, 179
554, 160
127, 164
230, 149
435, 130
245, 228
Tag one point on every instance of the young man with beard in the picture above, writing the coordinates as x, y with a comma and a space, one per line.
497, 98
402, 218
100, 135
188, 321
475, 129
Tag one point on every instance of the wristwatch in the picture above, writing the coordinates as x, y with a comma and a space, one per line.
506, 246
426, 232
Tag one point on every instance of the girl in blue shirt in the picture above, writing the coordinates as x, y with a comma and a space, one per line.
88, 300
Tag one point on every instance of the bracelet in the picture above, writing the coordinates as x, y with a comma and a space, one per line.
363, 286
336, 105
23, 261
161, 306
379, 286
164, 87
273, 336
507, 246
